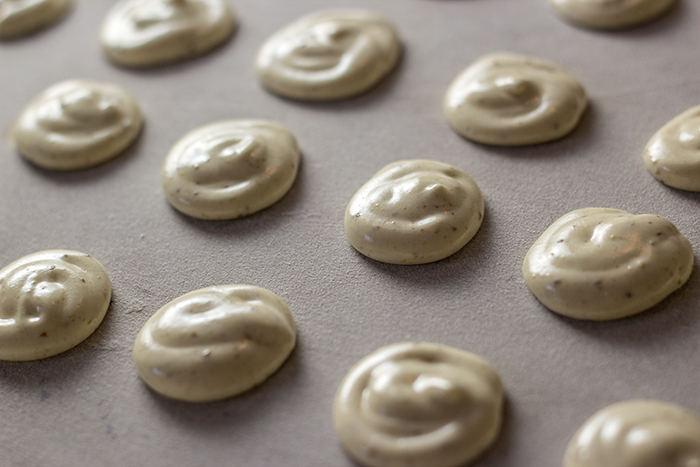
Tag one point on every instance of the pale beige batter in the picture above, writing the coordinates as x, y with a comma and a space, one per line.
418, 405
50, 302
141, 33
230, 169
603, 264
640, 433
610, 14
672, 155
414, 212
77, 124
329, 55
514, 100
21, 17
214, 343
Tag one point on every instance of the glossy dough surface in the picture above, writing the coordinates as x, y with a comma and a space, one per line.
414, 212
640, 433
329, 55
140, 33
672, 155
230, 169
418, 405
513, 100
50, 302
20, 17
610, 14
603, 264
214, 343
77, 124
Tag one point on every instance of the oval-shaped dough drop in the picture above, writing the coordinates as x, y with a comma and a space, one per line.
141, 33
602, 264
21, 17
230, 169
418, 405
513, 100
639, 433
414, 212
329, 55
673, 154
50, 302
77, 124
214, 343
610, 14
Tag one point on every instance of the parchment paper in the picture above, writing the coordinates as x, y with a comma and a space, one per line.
87, 407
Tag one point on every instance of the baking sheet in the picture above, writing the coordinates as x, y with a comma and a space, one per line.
88, 407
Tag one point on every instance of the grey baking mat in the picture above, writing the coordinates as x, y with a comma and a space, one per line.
87, 407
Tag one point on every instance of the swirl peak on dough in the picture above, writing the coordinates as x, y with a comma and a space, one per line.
514, 100
414, 212
672, 155
230, 169
604, 264
418, 404
50, 302
141, 33
329, 55
21, 17
639, 433
214, 343
77, 124
610, 14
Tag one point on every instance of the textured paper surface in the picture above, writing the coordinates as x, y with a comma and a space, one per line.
87, 407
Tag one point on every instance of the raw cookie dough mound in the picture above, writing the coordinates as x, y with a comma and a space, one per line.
214, 343
329, 55
602, 264
414, 212
77, 124
21, 17
514, 100
610, 14
141, 33
50, 302
639, 433
418, 405
230, 169
673, 154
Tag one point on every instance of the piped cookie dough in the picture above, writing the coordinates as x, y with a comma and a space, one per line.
77, 124
610, 14
214, 343
142, 33
672, 155
640, 433
418, 405
603, 264
50, 302
414, 212
230, 169
514, 100
22, 17
329, 55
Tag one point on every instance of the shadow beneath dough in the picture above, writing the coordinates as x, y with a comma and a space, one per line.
69, 365
268, 218
237, 412
92, 174
463, 266
674, 318
570, 145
